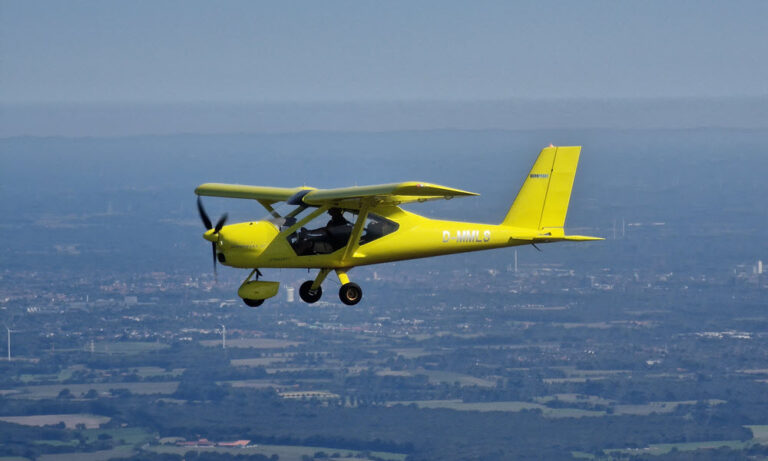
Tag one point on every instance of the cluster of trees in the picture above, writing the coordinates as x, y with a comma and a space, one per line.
17, 440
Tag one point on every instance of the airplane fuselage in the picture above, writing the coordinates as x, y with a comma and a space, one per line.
262, 244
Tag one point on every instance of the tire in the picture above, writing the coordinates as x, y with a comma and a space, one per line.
253, 302
350, 293
308, 295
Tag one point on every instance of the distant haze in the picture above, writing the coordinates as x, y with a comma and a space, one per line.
114, 119
93, 68
301, 51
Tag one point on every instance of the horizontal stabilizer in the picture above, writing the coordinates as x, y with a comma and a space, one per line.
573, 238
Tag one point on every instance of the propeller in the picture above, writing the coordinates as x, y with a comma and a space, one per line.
203, 214
207, 223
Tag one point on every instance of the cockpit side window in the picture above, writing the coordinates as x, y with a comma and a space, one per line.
316, 239
376, 227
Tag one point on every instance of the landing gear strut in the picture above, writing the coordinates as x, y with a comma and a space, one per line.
311, 291
254, 292
350, 293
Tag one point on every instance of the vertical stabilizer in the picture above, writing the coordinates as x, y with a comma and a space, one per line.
542, 202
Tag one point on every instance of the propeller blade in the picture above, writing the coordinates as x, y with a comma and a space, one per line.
215, 273
203, 214
220, 224
207, 223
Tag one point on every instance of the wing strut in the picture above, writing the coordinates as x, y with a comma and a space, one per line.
354, 238
269, 208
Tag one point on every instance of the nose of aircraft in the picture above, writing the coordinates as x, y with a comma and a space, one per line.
239, 244
210, 236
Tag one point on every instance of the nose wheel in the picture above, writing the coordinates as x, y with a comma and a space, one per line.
253, 302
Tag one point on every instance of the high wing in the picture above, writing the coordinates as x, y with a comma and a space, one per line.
261, 193
346, 197
387, 194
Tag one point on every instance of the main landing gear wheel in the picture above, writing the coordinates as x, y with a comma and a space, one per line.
350, 293
253, 302
307, 294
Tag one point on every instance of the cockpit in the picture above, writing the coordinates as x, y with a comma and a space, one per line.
334, 235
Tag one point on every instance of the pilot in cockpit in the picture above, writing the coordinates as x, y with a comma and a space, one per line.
338, 228
337, 218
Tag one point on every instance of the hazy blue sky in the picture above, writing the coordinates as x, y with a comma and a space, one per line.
185, 51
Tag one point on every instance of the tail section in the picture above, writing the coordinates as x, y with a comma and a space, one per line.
542, 202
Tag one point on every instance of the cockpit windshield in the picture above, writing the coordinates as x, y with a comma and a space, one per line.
287, 215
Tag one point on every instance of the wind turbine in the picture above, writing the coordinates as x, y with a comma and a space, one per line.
9, 340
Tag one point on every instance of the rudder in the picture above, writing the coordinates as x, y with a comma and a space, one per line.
542, 202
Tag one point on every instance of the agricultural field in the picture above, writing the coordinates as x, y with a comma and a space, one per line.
759, 436
253, 383
126, 440
123, 451
153, 372
252, 343
125, 435
657, 407
127, 347
759, 433
79, 390
438, 377
70, 421
664, 448
285, 452
458, 405
575, 398
63, 375
257, 362
411, 352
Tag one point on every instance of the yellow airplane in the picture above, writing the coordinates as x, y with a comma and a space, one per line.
367, 226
